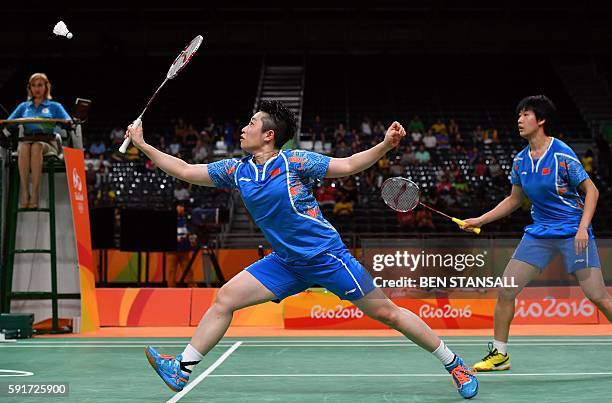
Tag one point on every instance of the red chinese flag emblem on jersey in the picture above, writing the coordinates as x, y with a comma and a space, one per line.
545, 171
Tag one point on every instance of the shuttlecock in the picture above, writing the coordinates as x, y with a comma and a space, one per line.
62, 30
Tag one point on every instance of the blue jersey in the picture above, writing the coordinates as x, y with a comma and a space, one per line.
280, 199
46, 109
551, 184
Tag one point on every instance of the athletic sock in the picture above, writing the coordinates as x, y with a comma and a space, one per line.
501, 347
191, 358
444, 354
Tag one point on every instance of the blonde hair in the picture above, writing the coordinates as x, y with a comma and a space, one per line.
40, 76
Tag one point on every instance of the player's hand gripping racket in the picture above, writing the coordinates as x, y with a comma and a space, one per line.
179, 63
403, 195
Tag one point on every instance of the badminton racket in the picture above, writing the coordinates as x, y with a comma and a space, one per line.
403, 195
179, 63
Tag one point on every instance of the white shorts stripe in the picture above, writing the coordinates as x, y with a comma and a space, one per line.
349, 272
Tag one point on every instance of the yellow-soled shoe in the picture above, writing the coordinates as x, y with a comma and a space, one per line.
493, 361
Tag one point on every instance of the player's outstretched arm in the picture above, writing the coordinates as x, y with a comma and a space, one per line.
192, 173
503, 209
339, 167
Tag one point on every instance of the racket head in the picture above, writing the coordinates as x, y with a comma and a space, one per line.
400, 194
184, 57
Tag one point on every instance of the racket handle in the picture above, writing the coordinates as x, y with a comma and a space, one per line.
127, 141
461, 223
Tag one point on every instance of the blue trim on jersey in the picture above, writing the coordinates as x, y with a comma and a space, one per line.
551, 184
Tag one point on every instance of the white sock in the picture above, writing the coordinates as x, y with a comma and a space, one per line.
501, 347
444, 354
191, 358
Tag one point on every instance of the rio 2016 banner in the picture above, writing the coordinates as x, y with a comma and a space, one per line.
319, 309
75, 172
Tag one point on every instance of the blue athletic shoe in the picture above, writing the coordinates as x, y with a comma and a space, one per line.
168, 368
463, 378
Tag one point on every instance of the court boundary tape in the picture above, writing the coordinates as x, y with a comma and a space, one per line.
479, 374
205, 374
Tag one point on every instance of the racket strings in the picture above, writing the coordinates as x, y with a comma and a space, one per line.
400, 195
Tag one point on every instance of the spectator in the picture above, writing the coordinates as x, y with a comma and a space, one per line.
116, 136
460, 186
191, 137
162, 144
379, 131
444, 186
439, 127
228, 137
442, 141
480, 170
181, 192
473, 154
343, 206
179, 260
340, 132
496, 172
179, 128
422, 156
490, 136
478, 134
453, 128
366, 127
199, 152
424, 220
211, 127
318, 131
408, 157
175, 147
342, 150
406, 220
349, 188
396, 169
97, 148
326, 194
417, 137
454, 172
416, 125
429, 140
587, 161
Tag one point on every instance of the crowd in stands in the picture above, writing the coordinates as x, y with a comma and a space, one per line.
454, 162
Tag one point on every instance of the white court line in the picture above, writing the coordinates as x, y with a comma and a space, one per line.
204, 374
403, 375
139, 345
520, 339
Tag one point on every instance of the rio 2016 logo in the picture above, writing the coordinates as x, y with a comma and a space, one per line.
551, 308
338, 312
444, 312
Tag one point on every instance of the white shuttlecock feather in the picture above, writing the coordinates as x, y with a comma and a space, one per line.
62, 30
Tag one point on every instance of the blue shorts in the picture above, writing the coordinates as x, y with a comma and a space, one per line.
338, 271
540, 252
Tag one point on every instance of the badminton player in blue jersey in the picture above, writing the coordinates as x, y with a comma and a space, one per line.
276, 186
563, 200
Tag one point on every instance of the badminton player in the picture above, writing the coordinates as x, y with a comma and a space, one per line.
563, 197
276, 187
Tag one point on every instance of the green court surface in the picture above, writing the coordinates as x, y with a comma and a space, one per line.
545, 369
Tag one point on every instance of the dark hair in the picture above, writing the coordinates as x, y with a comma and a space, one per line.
280, 119
543, 109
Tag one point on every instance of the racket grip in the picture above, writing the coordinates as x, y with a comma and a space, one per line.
461, 223
127, 141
